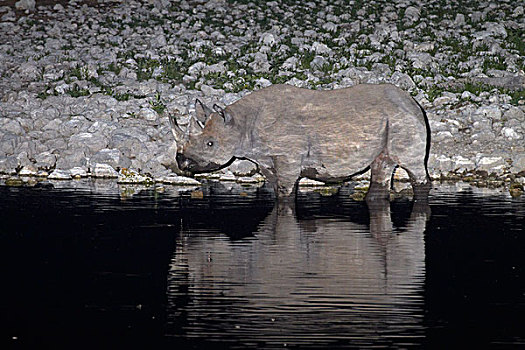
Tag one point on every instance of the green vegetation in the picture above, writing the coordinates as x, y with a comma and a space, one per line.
232, 55
157, 105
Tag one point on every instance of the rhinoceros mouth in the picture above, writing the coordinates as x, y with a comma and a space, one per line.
189, 165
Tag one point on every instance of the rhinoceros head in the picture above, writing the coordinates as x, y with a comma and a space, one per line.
208, 142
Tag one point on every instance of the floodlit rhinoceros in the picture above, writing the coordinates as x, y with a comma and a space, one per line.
328, 136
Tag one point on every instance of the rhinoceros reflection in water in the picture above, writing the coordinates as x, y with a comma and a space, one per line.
303, 281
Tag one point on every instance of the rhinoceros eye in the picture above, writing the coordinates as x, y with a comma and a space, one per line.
209, 144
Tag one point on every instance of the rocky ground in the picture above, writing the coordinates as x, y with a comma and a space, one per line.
85, 85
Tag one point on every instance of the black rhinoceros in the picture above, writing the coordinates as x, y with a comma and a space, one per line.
329, 136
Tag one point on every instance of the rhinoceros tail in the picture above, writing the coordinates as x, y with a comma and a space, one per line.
429, 137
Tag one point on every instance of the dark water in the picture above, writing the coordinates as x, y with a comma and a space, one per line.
231, 270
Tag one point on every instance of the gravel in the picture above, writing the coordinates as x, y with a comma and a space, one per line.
85, 85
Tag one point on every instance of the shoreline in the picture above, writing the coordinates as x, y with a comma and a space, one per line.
400, 187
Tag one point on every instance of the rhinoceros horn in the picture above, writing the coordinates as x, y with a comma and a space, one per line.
178, 133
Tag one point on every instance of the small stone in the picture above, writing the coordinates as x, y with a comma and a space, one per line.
514, 113
228, 177
401, 174
330, 27
14, 182
129, 176
402, 80
28, 171
242, 168
77, 172
197, 195
442, 163
104, 171
412, 13
45, 160
267, 39
518, 164
494, 164
59, 174
25, 5
110, 156
148, 114
463, 164
8, 165
306, 182
247, 180
460, 20
443, 100
180, 180
321, 48
318, 62
510, 134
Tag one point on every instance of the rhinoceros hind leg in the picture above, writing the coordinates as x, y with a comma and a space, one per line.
381, 171
420, 181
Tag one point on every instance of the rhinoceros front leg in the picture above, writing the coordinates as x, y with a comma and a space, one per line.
282, 174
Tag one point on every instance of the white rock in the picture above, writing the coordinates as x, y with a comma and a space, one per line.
493, 112
25, 5
59, 174
443, 100
104, 171
330, 27
443, 136
148, 114
443, 163
515, 113
196, 68
268, 39
290, 63
228, 177
28, 171
242, 168
518, 164
180, 180
129, 176
462, 164
306, 182
210, 91
412, 13
78, 172
247, 180
402, 80
401, 174
45, 160
495, 164
467, 95
318, 62
321, 48
263, 82
511, 134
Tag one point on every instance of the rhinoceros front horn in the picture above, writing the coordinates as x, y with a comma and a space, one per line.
175, 128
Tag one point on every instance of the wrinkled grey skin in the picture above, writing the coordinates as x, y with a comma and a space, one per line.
328, 136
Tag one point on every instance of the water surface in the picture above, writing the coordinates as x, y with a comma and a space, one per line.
228, 268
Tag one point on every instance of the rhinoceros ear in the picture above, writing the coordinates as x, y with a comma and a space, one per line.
202, 112
194, 127
222, 112
175, 128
